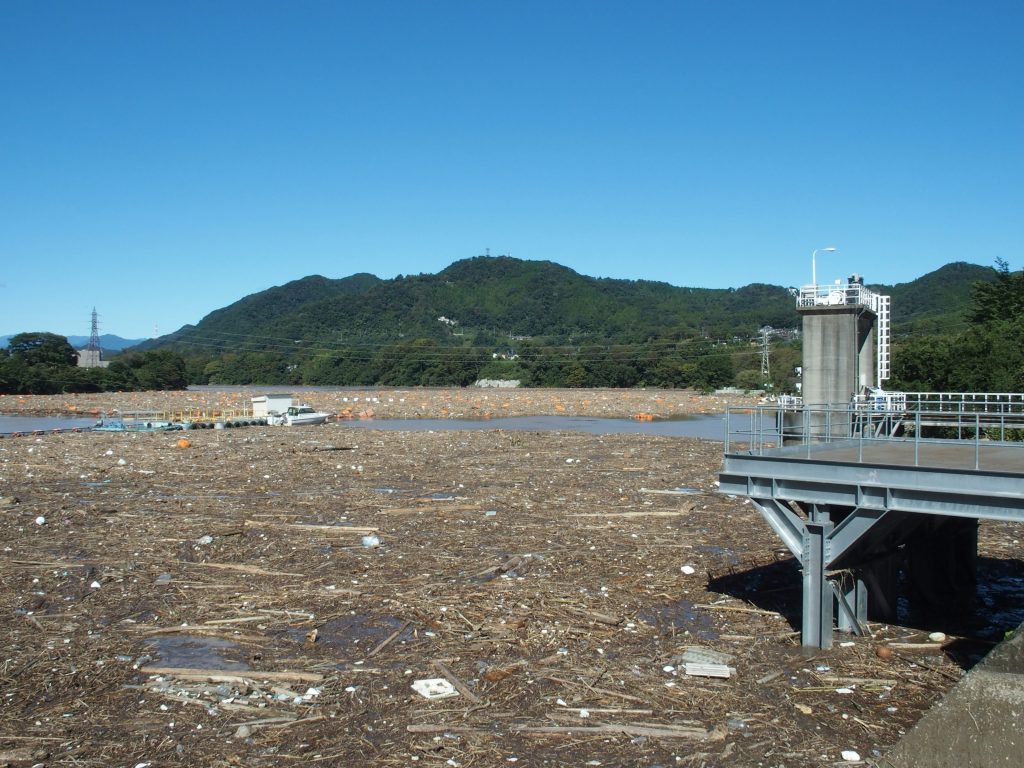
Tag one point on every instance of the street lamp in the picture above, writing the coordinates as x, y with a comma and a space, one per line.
814, 269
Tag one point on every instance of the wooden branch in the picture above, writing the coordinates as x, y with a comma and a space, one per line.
601, 618
311, 528
651, 730
637, 513
455, 681
251, 569
443, 728
737, 609
610, 711
916, 646
388, 640
235, 620
837, 680
424, 508
232, 675
512, 563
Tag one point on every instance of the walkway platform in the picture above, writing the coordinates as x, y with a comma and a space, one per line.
845, 503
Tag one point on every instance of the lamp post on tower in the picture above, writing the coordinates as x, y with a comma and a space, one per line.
814, 267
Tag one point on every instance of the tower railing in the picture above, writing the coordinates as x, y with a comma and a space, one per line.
837, 294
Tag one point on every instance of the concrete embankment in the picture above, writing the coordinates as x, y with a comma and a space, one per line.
978, 724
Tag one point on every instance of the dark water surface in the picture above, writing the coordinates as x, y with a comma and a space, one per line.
27, 424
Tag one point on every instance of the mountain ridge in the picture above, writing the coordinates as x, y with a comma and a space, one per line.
484, 300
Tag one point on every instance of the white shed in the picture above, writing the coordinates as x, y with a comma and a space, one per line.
264, 405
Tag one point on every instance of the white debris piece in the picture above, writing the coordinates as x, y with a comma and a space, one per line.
697, 654
708, 670
434, 688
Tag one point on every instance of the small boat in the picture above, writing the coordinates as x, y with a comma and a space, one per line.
298, 415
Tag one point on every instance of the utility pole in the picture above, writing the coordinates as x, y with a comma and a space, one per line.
94, 335
766, 373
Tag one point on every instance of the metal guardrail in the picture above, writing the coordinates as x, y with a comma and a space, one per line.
836, 294
969, 402
936, 402
797, 433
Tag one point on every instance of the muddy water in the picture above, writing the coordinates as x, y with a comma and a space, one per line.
198, 652
28, 424
707, 427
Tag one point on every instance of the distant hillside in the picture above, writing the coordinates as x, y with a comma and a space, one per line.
108, 342
485, 301
935, 303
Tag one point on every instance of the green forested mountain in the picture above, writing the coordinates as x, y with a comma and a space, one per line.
981, 349
936, 302
542, 323
484, 301
546, 325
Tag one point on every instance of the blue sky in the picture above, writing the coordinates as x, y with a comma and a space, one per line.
162, 160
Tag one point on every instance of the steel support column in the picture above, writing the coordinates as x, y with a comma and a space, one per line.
853, 606
816, 625
819, 544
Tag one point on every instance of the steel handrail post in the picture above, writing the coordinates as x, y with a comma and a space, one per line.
755, 437
756, 429
977, 441
761, 428
917, 438
860, 444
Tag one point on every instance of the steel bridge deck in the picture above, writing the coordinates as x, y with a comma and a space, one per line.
837, 504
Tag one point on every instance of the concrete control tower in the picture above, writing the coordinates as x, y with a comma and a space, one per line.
846, 342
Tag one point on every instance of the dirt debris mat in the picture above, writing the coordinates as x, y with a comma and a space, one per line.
269, 597
396, 403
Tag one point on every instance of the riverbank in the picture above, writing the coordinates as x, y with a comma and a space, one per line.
395, 403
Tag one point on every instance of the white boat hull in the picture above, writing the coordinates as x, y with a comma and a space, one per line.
301, 421
298, 416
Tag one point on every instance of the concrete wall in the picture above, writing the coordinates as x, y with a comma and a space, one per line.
264, 405
90, 358
839, 353
979, 724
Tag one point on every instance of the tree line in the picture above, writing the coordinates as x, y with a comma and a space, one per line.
985, 355
44, 363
